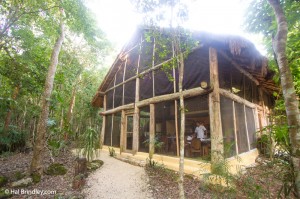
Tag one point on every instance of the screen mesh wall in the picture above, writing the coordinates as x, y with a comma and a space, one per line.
228, 126
107, 134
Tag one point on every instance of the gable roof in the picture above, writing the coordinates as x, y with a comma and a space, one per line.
237, 48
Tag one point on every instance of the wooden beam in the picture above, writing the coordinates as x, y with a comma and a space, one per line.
187, 93
239, 68
152, 131
120, 108
236, 98
217, 146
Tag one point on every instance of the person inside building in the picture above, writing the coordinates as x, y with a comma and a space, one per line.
200, 131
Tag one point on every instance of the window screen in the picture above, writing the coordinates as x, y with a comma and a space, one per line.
225, 76
118, 96
251, 127
248, 89
241, 128
146, 86
120, 74
196, 69
237, 82
109, 99
108, 128
144, 129
129, 92
132, 63
228, 126
163, 82
163, 50
116, 132
111, 84
165, 128
146, 56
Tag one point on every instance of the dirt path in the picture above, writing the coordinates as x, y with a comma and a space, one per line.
117, 179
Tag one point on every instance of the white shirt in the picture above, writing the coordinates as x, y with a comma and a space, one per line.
200, 131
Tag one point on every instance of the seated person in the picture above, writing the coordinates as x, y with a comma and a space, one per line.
189, 138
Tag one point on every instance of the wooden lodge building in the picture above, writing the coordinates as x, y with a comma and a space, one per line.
226, 84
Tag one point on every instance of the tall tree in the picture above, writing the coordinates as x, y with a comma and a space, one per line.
155, 13
289, 93
279, 23
36, 165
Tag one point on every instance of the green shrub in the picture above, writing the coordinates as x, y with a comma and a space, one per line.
112, 152
19, 175
36, 177
12, 140
3, 180
56, 169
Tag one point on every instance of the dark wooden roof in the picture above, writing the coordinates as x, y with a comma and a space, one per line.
237, 48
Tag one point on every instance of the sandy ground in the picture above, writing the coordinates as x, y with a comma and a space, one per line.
117, 179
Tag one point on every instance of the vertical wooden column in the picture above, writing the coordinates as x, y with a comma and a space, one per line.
123, 132
103, 123
136, 114
152, 130
136, 118
217, 147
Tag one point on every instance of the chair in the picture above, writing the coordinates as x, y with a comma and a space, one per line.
195, 146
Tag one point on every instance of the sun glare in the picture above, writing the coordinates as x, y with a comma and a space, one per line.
119, 20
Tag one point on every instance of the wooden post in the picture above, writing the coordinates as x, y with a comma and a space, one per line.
123, 132
136, 118
217, 147
152, 131
136, 114
103, 123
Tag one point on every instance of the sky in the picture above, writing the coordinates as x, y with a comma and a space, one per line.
118, 19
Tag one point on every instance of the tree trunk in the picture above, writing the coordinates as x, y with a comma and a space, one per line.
182, 115
36, 164
9, 112
70, 111
290, 100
